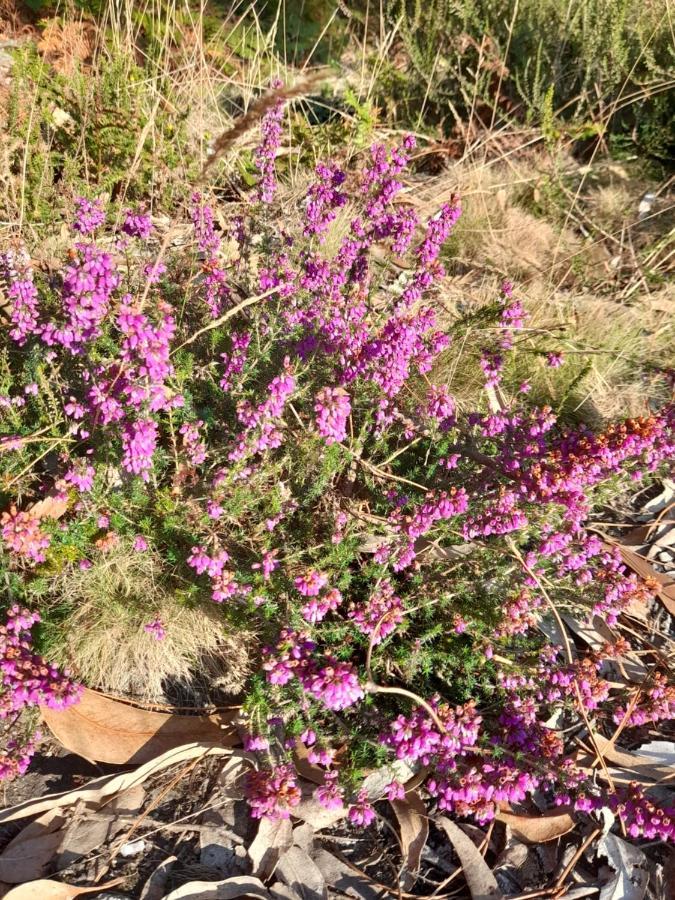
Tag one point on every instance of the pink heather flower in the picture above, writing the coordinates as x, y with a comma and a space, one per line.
89, 215
378, 618
22, 534
156, 628
27, 679
268, 565
16, 757
235, 361
214, 509
266, 152
332, 409
395, 791
361, 813
81, 476
308, 737
154, 271
137, 224
322, 756
272, 794
335, 684
140, 543
139, 440
459, 624
440, 404
193, 442
330, 795
291, 657
22, 295
324, 198
103, 521
253, 742
554, 359
319, 607
311, 583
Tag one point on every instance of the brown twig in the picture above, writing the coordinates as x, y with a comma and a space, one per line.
230, 314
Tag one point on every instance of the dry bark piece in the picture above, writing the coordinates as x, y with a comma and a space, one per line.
538, 829
413, 822
274, 837
481, 882
112, 731
110, 785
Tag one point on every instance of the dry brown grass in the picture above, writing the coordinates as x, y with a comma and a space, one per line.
104, 640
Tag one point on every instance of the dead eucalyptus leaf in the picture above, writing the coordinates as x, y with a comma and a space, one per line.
110, 785
413, 822
273, 838
46, 889
95, 825
636, 768
111, 731
27, 855
229, 889
296, 869
53, 506
154, 887
538, 829
480, 880
343, 878
661, 753
629, 863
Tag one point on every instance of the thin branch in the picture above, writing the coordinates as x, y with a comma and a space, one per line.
230, 314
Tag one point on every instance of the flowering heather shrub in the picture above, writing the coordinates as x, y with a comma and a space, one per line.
266, 414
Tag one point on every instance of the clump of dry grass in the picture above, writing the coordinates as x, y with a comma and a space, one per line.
104, 640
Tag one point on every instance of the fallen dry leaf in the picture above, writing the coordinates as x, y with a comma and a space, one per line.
53, 506
229, 889
538, 829
273, 838
45, 889
27, 855
413, 822
154, 887
112, 731
636, 768
109, 785
481, 882
96, 825
631, 876
296, 869
341, 877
